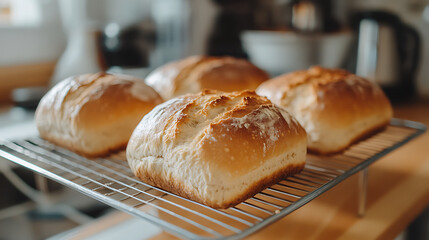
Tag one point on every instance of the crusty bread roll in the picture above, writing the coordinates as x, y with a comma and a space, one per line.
94, 114
193, 74
335, 107
216, 148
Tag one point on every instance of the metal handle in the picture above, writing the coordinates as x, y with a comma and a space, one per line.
367, 53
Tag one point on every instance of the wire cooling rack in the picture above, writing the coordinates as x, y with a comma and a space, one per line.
111, 181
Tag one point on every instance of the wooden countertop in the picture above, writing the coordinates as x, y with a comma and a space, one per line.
398, 191
19, 76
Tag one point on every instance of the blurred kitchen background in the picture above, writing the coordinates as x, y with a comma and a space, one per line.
45, 41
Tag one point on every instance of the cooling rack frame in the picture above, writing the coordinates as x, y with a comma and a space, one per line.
104, 178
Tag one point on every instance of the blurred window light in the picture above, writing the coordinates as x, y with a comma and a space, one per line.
426, 13
25, 12
112, 30
4, 11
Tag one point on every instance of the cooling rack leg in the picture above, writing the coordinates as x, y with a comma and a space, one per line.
363, 188
41, 183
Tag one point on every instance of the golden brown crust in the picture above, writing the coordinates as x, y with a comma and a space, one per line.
317, 76
253, 140
193, 74
336, 91
250, 142
178, 188
216, 148
103, 97
82, 113
330, 102
229, 74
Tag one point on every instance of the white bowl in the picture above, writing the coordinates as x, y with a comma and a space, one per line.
280, 52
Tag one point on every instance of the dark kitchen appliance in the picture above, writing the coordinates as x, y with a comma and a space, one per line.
388, 52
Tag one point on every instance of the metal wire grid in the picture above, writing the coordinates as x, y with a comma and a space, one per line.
111, 181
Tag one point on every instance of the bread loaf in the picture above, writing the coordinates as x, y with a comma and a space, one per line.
217, 148
193, 74
94, 114
335, 107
